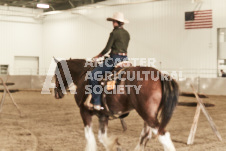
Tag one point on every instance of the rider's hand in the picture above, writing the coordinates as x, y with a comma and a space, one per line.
96, 57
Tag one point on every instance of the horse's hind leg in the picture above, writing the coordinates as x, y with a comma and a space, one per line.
145, 135
111, 144
166, 141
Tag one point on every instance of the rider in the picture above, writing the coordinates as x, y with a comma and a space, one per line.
118, 43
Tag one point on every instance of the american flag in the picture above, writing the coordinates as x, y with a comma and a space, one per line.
198, 19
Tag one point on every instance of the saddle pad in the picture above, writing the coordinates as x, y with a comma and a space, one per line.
110, 85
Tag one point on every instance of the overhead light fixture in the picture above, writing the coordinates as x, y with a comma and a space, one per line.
52, 12
39, 5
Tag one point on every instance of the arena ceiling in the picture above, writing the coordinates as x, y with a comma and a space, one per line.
59, 5
54, 4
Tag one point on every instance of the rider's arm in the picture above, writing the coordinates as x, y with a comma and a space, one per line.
109, 45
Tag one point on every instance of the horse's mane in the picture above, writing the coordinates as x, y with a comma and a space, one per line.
72, 61
76, 60
74, 64
80, 65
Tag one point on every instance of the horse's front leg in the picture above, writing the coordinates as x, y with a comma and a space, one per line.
111, 144
90, 138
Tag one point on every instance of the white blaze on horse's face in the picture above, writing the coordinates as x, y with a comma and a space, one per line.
62, 75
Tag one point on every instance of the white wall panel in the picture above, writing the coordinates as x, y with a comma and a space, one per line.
222, 50
156, 28
20, 34
26, 65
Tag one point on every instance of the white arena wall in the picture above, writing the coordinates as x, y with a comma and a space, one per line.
156, 29
20, 35
206, 86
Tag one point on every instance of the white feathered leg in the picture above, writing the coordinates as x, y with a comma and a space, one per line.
166, 141
102, 136
110, 143
91, 141
145, 135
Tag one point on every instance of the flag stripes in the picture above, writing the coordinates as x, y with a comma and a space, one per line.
201, 19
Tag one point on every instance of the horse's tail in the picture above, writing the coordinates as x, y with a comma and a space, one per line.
170, 93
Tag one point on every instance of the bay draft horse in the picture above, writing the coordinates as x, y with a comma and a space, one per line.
155, 103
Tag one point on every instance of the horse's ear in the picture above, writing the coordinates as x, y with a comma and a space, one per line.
55, 59
70, 58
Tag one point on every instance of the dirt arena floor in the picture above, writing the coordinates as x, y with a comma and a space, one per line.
55, 125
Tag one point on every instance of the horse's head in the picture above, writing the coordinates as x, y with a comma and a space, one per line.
69, 73
60, 81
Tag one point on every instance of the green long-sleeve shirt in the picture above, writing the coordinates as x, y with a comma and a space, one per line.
117, 42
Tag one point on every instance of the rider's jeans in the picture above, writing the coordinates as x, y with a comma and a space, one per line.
107, 65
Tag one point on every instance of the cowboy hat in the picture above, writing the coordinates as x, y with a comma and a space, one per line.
118, 16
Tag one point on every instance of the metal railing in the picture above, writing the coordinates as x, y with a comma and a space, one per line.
184, 73
192, 73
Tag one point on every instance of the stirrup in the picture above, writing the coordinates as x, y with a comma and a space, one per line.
98, 107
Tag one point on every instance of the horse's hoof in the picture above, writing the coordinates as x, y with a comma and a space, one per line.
138, 148
119, 149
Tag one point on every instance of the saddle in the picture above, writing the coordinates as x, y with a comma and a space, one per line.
111, 84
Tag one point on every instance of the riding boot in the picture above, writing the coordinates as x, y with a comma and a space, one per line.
90, 106
98, 107
87, 102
